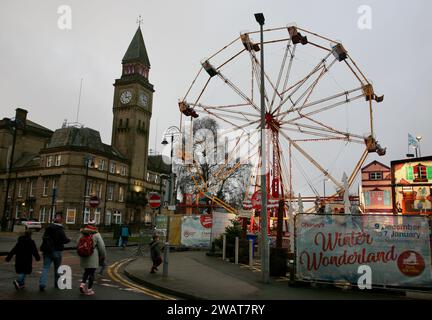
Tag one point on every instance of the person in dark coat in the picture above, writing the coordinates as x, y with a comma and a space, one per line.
24, 251
53, 242
155, 253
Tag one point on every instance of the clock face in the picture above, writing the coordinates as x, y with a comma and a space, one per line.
126, 97
143, 99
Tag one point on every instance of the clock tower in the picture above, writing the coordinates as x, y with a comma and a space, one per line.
132, 108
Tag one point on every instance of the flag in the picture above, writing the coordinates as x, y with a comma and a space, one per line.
412, 141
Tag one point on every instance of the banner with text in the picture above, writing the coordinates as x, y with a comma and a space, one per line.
396, 248
196, 230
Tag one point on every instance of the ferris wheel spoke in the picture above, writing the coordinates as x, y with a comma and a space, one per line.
224, 48
331, 129
287, 50
288, 72
228, 116
325, 108
317, 102
346, 135
238, 91
308, 92
317, 134
300, 83
257, 75
193, 82
311, 160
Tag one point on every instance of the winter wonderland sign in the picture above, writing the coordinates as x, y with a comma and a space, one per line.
396, 248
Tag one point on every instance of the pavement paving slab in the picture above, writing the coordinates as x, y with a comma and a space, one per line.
193, 275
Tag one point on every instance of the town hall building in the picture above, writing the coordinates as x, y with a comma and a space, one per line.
61, 170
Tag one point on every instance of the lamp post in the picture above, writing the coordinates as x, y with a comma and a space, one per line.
6, 214
259, 17
418, 138
87, 163
173, 132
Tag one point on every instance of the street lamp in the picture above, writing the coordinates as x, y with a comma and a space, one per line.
87, 163
15, 124
259, 17
174, 133
418, 138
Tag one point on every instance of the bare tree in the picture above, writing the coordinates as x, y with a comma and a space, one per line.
211, 169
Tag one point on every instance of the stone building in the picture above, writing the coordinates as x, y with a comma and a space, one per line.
59, 171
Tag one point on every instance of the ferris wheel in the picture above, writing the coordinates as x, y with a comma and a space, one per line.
319, 109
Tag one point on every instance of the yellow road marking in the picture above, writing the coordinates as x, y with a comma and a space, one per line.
113, 272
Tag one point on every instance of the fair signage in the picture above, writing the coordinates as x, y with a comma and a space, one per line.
396, 248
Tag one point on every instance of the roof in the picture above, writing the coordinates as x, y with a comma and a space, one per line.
82, 138
137, 50
375, 163
158, 164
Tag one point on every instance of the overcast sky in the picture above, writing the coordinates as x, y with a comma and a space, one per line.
41, 65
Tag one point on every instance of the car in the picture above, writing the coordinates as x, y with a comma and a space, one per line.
30, 224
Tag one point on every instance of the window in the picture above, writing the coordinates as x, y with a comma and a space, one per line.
121, 123
89, 188
117, 217
86, 215
127, 123
70, 216
375, 176
49, 162
112, 167
121, 193
32, 188
97, 216
101, 164
42, 214
17, 211
45, 188
108, 217
57, 160
123, 170
54, 184
99, 190
110, 192
19, 189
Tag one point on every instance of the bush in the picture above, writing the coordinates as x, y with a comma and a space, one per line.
233, 231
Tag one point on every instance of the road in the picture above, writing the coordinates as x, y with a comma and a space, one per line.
112, 285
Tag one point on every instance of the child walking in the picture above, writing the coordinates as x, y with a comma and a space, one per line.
155, 253
24, 251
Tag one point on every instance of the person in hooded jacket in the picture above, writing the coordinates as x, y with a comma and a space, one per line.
92, 262
24, 251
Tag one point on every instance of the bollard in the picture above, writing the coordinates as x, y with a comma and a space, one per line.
165, 261
250, 253
236, 250
224, 247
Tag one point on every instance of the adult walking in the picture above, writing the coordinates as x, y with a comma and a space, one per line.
92, 252
125, 234
53, 242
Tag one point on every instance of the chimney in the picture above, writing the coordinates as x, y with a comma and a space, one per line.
21, 115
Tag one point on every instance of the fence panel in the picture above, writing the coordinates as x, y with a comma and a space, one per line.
331, 248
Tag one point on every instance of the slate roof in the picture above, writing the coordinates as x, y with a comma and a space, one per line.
156, 164
137, 50
81, 138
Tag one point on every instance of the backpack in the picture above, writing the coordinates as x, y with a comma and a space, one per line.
85, 246
47, 245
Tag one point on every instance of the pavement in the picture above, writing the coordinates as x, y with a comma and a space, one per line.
194, 275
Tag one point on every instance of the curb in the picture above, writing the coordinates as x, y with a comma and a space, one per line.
161, 288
